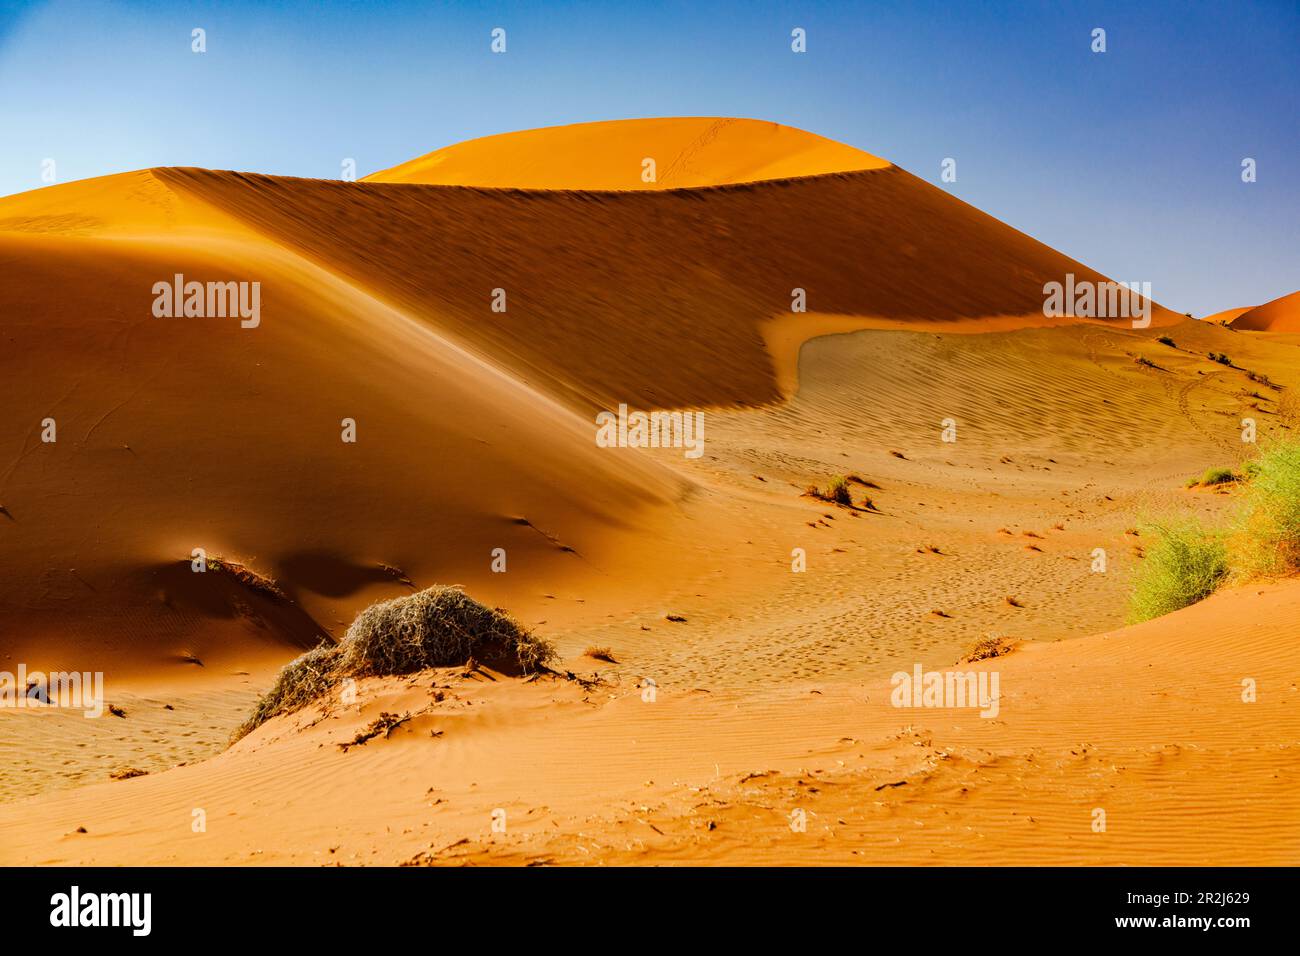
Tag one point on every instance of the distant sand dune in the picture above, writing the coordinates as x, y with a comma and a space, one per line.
1280, 315
687, 151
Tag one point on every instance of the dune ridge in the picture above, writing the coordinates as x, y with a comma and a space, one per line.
686, 151
598, 309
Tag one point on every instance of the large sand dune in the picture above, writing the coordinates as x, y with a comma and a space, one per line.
474, 432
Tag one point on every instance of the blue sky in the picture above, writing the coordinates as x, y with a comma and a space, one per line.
1128, 160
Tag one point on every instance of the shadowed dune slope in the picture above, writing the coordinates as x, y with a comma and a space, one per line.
191, 432
687, 151
1280, 315
655, 299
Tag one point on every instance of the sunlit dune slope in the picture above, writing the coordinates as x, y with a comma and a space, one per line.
687, 151
1280, 315
655, 299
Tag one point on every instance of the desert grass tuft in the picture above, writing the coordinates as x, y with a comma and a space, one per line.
1185, 564
1268, 544
1216, 476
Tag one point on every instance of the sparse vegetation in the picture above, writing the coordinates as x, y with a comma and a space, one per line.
1185, 564
1188, 562
988, 647
249, 578
1214, 476
605, 654
1269, 541
838, 491
437, 627
1166, 340
1219, 357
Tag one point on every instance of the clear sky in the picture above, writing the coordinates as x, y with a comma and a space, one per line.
1128, 160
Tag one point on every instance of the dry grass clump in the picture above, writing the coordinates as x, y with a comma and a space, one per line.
304, 679
989, 647
437, 627
249, 578
837, 491
605, 654
1213, 476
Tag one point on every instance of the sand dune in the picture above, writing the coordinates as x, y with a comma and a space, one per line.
182, 433
474, 432
655, 299
376, 307
1280, 315
687, 151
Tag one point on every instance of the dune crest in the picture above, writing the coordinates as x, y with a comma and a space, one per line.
1279, 315
687, 151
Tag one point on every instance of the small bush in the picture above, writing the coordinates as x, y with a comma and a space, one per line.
1185, 563
438, 627
1271, 524
1166, 340
299, 682
838, 491
1220, 358
1218, 476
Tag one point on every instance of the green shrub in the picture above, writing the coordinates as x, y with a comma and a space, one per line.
1271, 524
1218, 476
1186, 563
838, 491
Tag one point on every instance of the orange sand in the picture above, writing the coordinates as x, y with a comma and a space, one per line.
687, 151
475, 432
